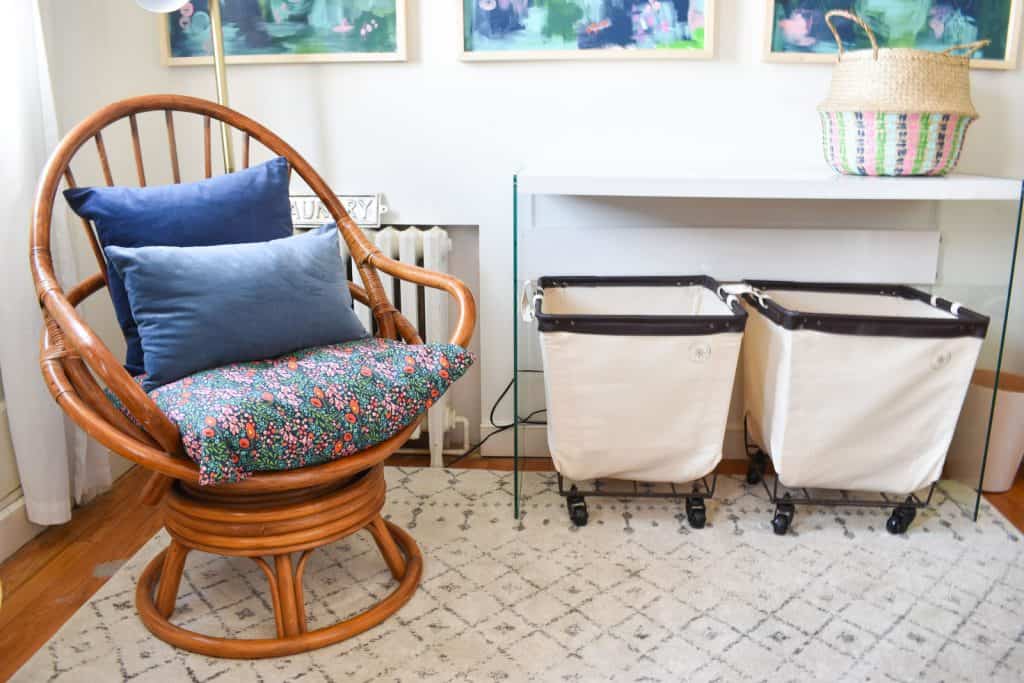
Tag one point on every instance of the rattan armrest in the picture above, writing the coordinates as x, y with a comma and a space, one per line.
70, 354
429, 278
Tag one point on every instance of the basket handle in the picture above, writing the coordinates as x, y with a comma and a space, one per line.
970, 48
857, 20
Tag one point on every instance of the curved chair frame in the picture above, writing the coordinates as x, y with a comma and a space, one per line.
271, 514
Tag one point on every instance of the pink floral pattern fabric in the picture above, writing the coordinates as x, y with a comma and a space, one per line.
307, 407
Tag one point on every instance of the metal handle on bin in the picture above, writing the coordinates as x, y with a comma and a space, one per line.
954, 306
760, 296
730, 294
728, 298
528, 300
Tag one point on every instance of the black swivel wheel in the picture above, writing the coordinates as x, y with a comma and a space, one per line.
784, 512
900, 520
696, 513
756, 468
577, 507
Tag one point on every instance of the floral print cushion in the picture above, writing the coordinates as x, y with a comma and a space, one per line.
305, 408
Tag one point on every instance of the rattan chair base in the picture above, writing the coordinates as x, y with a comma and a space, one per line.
275, 526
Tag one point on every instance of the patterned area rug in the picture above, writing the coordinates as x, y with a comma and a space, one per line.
635, 596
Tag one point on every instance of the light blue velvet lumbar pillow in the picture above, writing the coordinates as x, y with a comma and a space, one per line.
204, 307
250, 205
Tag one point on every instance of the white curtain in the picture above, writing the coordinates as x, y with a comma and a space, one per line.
57, 464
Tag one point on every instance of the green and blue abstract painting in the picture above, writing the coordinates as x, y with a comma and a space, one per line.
280, 30
592, 26
934, 25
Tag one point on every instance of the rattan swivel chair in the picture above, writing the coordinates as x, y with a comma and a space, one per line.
277, 518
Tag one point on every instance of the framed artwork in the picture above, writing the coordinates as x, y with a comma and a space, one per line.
796, 31
498, 30
274, 31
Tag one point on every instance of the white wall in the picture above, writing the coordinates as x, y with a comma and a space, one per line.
442, 138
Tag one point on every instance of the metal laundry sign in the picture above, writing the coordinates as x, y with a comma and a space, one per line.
309, 212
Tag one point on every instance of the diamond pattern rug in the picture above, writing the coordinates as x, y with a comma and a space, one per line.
635, 596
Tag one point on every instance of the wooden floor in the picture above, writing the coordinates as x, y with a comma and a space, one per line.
53, 575
1011, 503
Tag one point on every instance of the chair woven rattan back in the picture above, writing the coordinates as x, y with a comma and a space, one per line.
74, 357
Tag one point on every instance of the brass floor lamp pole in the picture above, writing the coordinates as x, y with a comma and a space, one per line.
216, 29
217, 34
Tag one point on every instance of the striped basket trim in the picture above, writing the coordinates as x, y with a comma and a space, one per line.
893, 144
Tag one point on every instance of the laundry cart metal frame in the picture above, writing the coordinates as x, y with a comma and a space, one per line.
625, 208
903, 511
696, 508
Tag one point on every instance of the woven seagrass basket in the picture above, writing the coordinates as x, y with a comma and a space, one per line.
896, 111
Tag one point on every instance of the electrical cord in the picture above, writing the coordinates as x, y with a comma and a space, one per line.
501, 396
497, 427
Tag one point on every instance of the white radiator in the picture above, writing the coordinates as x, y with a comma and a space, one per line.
425, 308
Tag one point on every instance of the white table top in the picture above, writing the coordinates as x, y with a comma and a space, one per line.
658, 179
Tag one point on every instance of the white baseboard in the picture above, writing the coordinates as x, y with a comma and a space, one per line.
119, 466
536, 442
15, 529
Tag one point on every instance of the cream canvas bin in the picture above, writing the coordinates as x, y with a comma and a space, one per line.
856, 387
638, 373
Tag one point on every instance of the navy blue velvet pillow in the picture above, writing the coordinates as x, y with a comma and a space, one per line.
204, 307
247, 206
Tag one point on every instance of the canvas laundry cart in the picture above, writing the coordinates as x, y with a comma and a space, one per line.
638, 376
856, 388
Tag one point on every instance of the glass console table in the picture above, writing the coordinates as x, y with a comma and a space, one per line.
957, 237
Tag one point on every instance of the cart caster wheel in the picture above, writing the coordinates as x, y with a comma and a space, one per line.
900, 519
756, 468
577, 507
780, 523
784, 512
696, 513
